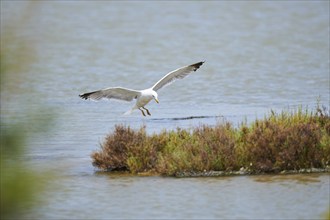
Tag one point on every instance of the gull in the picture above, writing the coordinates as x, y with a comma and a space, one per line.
143, 97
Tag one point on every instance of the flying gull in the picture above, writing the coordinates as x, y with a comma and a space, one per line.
143, 97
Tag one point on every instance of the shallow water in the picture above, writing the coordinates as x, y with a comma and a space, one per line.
126, 197
259, 56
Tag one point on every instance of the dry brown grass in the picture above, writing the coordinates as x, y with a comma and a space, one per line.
286, 141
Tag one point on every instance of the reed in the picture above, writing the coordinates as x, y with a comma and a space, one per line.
279, 142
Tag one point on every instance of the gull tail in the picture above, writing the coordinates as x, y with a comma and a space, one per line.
129, 112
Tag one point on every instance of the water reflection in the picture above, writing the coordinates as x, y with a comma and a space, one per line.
296, 178
279, 196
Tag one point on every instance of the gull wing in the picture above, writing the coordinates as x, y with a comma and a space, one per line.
119, 93
176, 74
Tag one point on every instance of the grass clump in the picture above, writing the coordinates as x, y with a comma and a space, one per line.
128, 149
278, 142
288, 141
203, 149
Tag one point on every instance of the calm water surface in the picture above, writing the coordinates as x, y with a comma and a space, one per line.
259, 56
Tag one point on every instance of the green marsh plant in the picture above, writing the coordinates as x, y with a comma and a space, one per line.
286, 141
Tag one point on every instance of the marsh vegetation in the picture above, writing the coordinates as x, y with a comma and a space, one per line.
285, 141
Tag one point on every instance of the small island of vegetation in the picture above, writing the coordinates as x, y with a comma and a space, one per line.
286, 142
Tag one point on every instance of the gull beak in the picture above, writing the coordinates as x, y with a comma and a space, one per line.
156, 100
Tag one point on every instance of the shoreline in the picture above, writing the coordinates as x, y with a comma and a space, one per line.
212, 173
250, 173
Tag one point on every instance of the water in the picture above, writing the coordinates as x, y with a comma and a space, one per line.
259, 56
126, 197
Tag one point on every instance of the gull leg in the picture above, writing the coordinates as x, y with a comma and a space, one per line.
146, 110
142, 112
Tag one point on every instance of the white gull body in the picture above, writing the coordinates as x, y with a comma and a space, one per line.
143, 97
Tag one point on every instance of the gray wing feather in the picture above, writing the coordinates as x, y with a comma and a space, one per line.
176, 74
119, 93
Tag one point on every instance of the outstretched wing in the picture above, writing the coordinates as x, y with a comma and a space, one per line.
112, 93
176, 74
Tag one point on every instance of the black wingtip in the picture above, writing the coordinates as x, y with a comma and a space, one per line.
197, 65
84, 96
